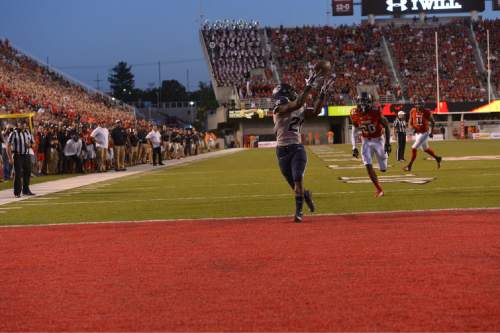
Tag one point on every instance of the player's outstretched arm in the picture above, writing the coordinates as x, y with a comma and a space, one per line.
300, 101
410, 122
321, 99
411, 125
354, 136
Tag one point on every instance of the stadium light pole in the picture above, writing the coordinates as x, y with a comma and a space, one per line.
328, 13
489, 65
159, 84
437, 72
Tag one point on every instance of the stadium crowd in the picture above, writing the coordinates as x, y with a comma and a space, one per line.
26, 86
354, 51
235, 48
76, 130
413, 48
481, 29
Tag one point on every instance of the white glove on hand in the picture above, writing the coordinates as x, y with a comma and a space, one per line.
310, 80
326, 86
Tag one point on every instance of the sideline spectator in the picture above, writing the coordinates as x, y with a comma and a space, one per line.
72, 154
154, 138
101, 138
134, 147
119, 137
41, 148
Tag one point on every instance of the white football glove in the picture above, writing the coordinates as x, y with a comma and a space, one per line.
311, 79
326, 86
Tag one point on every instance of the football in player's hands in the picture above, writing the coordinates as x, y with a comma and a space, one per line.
322, 67
355, 152
388, 148
431, 135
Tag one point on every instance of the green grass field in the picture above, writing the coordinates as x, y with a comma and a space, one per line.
248, 183
34, 180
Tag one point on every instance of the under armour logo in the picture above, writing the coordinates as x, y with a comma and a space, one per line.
391, 5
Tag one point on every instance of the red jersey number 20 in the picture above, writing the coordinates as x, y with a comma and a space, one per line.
367, 127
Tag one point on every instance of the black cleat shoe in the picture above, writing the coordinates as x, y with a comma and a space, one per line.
29, 193
309, 201
438, 160
298, 217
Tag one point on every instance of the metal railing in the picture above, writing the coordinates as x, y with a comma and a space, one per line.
255, 103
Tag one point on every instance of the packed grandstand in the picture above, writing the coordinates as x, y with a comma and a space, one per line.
395, 59
65, 115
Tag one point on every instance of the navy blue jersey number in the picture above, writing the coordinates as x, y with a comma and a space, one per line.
295, 124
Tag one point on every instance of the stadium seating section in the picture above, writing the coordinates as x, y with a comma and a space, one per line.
359, 57
26, 86
480, 29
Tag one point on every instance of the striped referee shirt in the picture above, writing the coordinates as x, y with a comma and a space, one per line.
400, 125
20, 141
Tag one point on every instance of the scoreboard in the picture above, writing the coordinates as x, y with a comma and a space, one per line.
342, 8
496, 4
401, 7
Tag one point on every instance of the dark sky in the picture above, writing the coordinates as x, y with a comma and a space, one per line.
87, 37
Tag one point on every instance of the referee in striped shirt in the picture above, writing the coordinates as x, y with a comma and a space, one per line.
18, 148
400, 133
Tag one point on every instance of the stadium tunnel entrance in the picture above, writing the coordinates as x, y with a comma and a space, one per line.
260, 132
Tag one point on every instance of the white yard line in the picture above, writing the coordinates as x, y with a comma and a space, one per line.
263, 218
249, 196
6, 196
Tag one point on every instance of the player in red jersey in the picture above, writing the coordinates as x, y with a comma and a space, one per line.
368, 120
420, 118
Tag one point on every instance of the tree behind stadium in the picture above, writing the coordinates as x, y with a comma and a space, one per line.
121, 81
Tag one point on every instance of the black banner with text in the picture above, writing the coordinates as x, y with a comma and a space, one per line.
402, 7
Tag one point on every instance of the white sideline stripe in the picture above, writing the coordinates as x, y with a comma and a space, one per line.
341, 159
43, 198
9, 208
380, 177
97, 190
6, 196
211, 198
236, 218
181, 186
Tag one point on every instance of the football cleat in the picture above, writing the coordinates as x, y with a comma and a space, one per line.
379, 194
407, 168
298, 217
438, 160
309, 201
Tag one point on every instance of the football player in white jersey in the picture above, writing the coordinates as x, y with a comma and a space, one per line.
289, 115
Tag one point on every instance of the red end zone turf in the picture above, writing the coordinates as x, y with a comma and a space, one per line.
420, 272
